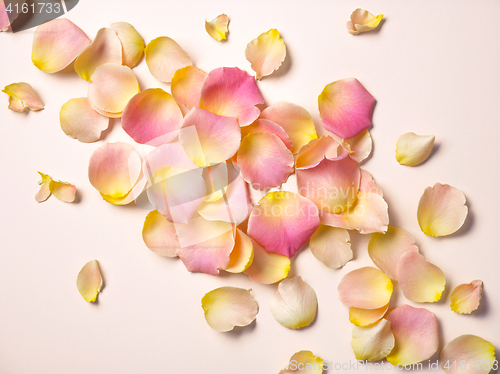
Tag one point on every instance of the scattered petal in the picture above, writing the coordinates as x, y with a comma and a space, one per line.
372, 343
412, 149
304, 362
363, 21
164, 56
22, 96
89, 281
132, 43
44, 192
267, 268
441, 210
465, 297
227, 307
266, 53
416, 333
468, 354
217, 28
56, 44
186, 87
317, 150
264, 125
360, 146
331, 246
80, 121
63, 191
366, 317
345, 108
242, 255
159, 235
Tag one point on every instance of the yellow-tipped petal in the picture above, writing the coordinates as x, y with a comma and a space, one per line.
267, 268
217, 28
159, 235
465, 297
22, 96
412, 149
164, 56
242, 255
266, 53
363, 21
63, 191
44, 192
366, 317
372, 343
89, 281
331, 246
132, 43
304, 362
360, 146
80, 121
468, 354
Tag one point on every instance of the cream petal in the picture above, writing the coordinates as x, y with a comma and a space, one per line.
333, 220
159, 235
266, 53
316, 150
217, 28
164, 56
465, 297
131, 42
372, 343
241, 257
44, 192
366, 288
89, 281
416, 333
227, 307
367, 184
22, 96
369, 214
360, 146
304, 362
441, 210
366, 317
267, 268
80, 121
412, 149
294, 303
468, 354
331, 246
186, 87
63, 191
264, 125
385, 250
363, 21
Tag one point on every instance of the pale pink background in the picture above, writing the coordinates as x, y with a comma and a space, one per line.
433, 68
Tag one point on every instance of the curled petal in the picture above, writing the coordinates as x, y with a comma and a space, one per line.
416, 333
266, 53
366, 317
56, 44
227, 307
242, 255
472, 355
267, 268
106, 48
366, 288
360, 146
22, 96
89, 281
80, 121
345, 108
294, 303
159, 235
290, 217
304, 362
164, 56
317, 150
412, 149
186, 86
231, 92
372, 343
264, 125
363, 21
331, 246
465, 297
386, 249
63, 191
264, 160
217, 28
208, 138
441, 210
111, 89
132, 43
369, 215
44, 192
152, 117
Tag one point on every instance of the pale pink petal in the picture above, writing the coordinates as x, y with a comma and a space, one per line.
22, 96
186, 87
89, 281
372, 343
56, 44
44, 192
227, 307
63, 191
369, 214
294, 303
132, 43
159, 235
412, 149
304, 362
291, 219
264, 160
366, 317
441, 210
465, 297
345, 107
316, 150
366, 288
217, 180
80, 121
416, 334
360, 146
367, 184
267, 268
385, 250
264, 125
468, 354
134, 193
167, 155
363, 21
266, 53
333, 220
217, 28
106, 48
112, 87
231, 92
164, 56
331, 246
242, 254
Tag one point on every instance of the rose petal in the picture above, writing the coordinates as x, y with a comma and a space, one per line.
264, 160
266, 53
89, 281
216, 181
164, 56
159, 235
80, 121
267, 268
227, 307
152, 117
465, 297
22, 96
132, 43
331, 246
366, 317
63, 191
294, 303
304, 362
133, 195
441, 210
468, 354
333, 220
208, 138
316, 150
412, 149
360, 146
217, 28
242, 255
231, 92
106, 48
44, 192
345, 107
166, 155
290, 217
363, 21
369, 215
385, 250
186, 87
366, 288
264, 125
372, 343
416, 334
56, 44
112, 87
367, 184
5, 18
